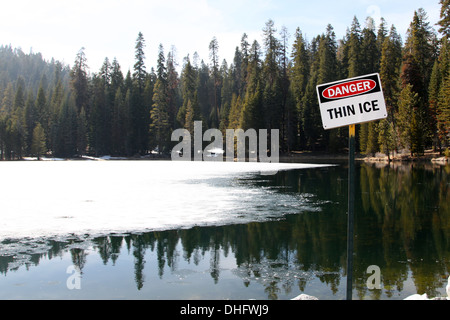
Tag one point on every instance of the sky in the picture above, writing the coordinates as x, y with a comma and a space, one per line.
108, 28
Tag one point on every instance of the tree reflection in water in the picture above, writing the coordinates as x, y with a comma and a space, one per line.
402, 225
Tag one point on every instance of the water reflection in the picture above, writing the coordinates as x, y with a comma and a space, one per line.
402, 225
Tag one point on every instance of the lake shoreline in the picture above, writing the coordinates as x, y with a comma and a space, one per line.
429, 156
294, 156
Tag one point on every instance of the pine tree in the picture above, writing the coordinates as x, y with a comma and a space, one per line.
299, 75
247, 111
119, 124
357, 45
443, 104
128, 102
38, 146
252, 110
82, 133
416, 138
30, 119
372, 145
19, 99
56, 100
327, 72
139, 73
370, 62
433, 100
410, 74
445, 18
42, 109
271, 85
391, 59
65, 130
300, 69
157, 95
236, 71
105, 73
159, 127
189, 118
149, 92
161, 70
8, 99
245, 52
444, 57
119, 116
288, 124
407, 119
235, 115
116, 76
3, 136
386, 137
139, 109
416, 70
189, 91
370, 55
214, 56
411, 79
390, 63
79, 80
327, 56
228, 86
310, 116
17, 125
254, 68
99, 122
18, 132
419, 48
382, 34
363, 137
354, 49
205, 94
173, 94
443, 112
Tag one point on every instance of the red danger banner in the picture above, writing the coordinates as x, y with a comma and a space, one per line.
349, 89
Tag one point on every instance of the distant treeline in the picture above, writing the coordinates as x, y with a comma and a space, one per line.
50, 108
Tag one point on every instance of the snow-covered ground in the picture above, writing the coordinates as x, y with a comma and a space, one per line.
48, 198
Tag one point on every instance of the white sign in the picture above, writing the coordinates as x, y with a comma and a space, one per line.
351, 101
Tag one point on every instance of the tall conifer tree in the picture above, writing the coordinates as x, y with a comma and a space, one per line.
139, 110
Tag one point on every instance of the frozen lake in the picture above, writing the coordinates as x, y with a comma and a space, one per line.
207, 230
47, 198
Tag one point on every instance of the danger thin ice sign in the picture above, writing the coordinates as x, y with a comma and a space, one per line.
351, 101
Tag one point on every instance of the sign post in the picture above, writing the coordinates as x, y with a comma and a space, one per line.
351, 208
347, 103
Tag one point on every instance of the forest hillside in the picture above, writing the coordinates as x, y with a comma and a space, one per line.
50, 108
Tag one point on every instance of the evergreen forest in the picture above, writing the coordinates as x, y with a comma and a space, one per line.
48, 108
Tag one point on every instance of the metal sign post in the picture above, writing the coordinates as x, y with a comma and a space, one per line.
351, 207
347, 103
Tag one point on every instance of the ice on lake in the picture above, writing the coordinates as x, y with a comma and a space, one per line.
47, 198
